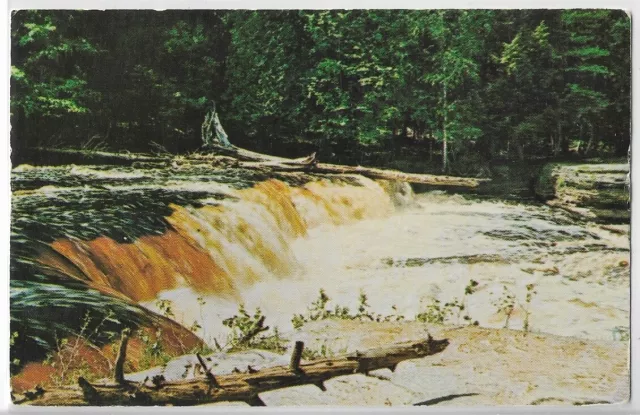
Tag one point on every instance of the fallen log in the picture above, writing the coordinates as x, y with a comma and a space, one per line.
370, 172
101, 156
374, 173
256, 161
244, 387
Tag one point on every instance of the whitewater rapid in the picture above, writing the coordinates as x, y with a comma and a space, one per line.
429, 251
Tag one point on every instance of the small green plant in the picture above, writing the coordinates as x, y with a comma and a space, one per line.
298, 321
272, 342
506, 304
363, 307
165, 306
471, 287
438, 313
319, 311
435, 313
621, 333
153, 353
527, 306
195, 326
322, 353
66, 356
15, 363
394, 316
245, 329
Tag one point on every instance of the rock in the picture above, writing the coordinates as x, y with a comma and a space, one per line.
481, 366
592, 191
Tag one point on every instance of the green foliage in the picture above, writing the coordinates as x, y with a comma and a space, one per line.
527, 305
434, 313
523, 83
323, 352
318, 310
15, 363
438, 313
153, 354
506, 304
66, 357
246, 329
165, 307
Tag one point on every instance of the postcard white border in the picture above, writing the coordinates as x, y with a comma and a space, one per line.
633, 7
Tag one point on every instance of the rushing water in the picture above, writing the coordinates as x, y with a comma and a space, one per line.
432, 249
209, 241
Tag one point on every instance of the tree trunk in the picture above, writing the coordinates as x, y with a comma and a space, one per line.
244, 387
212, 131
580, 133
587, 150
431, 148
520, 150
95, 156
444, 133
559, 141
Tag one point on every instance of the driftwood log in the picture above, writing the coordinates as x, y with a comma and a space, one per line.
244, 387
372, 173
235, 157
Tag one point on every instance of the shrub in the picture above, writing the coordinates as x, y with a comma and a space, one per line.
319, 311
245, 329
436, 313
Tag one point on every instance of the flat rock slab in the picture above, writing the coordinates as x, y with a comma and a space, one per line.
481, 367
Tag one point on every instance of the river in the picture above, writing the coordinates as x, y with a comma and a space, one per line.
430, 250
207, 243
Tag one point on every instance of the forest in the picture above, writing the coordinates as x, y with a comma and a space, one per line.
417, 90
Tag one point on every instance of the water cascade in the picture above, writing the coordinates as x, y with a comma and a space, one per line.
220, 248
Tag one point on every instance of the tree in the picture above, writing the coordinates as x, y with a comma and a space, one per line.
347, 84
48, 80
455, 72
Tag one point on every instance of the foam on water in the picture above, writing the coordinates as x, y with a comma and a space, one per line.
584, 293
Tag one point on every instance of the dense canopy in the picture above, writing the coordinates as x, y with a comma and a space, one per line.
357, 86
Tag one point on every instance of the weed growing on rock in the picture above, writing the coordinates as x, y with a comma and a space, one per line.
527, 306
506, 304
245, 329
621, 333
153, 354
323, 352
165, 307
319, 311
66, 358
436, 313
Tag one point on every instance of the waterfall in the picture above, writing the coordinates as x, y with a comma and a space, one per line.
219, 248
